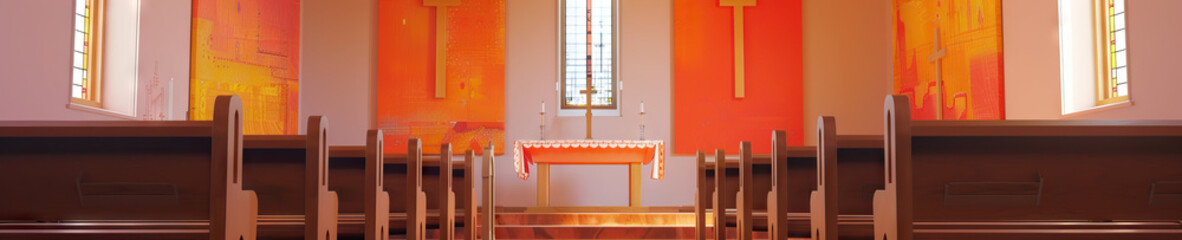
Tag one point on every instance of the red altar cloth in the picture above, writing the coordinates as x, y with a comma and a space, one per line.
527, 152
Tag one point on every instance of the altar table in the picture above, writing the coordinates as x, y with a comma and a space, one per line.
630, 152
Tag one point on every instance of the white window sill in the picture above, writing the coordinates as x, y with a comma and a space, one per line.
100, 111
582, 112
1096, 109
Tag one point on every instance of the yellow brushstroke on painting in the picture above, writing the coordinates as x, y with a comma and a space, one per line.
967, 30
261, 93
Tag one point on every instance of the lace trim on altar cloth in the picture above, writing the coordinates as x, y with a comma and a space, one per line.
522, 167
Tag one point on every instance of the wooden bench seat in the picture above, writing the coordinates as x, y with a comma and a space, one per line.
126, 179
289, 173
1029, 179
841, 204
344, 168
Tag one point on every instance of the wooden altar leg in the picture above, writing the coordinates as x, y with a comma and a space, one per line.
543, 184
633, 184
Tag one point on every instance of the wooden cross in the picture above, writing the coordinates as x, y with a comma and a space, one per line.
740, 82
590, 90
441, 43
935, 57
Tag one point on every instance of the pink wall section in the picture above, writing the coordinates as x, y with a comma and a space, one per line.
35, 61
1030, 30
35, 58
1032, 61
847, 64
337, 68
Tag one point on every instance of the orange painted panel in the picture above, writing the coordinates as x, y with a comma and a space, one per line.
971, 69
706, 114
473, 112
249, 48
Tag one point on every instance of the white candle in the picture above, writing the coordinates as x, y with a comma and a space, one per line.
642, 106
543, 106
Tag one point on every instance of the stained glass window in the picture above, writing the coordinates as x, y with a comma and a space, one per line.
1114, 83
588, 50
83, 83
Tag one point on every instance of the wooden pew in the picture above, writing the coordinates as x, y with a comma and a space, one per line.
126, 179
1028, 179
290, 175
842, 202
346, 171
798, 159
488, 216
744, 198
416, 204
356, 173
447, 200
701, 197
720, 196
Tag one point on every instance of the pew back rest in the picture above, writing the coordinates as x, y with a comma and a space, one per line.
1051, 170
129, 171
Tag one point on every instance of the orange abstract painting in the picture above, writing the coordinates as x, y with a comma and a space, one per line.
471, 112
958, 42
249, 48
706, 112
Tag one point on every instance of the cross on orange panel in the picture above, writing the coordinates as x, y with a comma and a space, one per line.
936, 57
441, 43
740, 82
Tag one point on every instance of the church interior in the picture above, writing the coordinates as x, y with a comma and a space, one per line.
590, 119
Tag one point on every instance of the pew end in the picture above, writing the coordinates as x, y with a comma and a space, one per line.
377, 200
447, 205
469, 197
416, 209
777, 198
700, 196
823, 201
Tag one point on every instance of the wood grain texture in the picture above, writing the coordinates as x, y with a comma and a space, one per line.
447, 204
416, 204
777, 197
745, 197
824, 201
126, 180
1030, 179
377, 200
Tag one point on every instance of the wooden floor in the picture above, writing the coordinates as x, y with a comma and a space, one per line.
671, 223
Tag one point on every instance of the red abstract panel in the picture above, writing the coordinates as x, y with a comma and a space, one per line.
970, 67
473, 112
249, 48
706, 114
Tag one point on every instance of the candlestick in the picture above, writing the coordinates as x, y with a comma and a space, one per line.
642, 125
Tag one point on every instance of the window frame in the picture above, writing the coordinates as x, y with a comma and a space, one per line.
615, 65
1104, 83
93, 54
